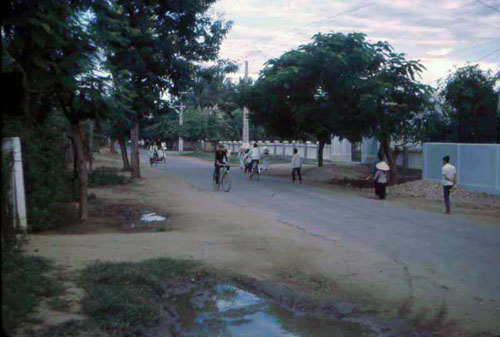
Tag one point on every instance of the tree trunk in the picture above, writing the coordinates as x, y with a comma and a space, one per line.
123, 150
82, 170
393, 174
321, 146
112, 146
135, 167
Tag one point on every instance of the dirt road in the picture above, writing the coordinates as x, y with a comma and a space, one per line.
383, 257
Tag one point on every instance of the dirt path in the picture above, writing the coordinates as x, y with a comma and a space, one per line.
256, 244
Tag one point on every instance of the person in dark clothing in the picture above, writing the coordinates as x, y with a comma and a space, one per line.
220, 160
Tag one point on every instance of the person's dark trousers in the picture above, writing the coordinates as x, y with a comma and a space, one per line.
380, 190
296, 170
446, 195
217, 173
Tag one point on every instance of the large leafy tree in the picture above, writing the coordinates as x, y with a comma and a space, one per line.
393, 104
49, 49
470, 96
305, 92
343, 85
160, 44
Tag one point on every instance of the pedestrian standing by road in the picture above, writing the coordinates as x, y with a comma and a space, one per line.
241, 154
449, 181
265, 159
296, 165
248, 161
380, 179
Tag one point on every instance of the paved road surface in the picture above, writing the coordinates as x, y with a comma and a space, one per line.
466, 255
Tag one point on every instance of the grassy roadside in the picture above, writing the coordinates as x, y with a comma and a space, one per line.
24, 283
127, 299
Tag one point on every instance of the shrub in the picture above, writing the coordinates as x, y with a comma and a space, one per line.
45, 179
106, 176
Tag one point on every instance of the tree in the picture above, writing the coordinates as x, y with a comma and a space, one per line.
470, 95
304, 93
56, 69
159, 43
392, 105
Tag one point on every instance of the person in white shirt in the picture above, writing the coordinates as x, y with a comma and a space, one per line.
248, 160
380, 179
254, 155
242, 156
296, 165
265, 159
449, 181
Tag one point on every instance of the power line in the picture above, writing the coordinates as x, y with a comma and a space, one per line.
488, 6
487, 55
328, 19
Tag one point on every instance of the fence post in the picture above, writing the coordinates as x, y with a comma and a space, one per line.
19, 201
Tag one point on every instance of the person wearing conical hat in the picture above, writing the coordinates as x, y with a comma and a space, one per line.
380, 179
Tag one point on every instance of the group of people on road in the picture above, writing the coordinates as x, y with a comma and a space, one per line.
251, 157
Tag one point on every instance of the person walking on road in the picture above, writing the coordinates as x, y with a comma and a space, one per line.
265, 159
241, 153
449, 181
380, 179
296, 165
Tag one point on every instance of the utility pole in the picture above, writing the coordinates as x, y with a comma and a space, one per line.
498, 118
181, 115
245, 112
91, 142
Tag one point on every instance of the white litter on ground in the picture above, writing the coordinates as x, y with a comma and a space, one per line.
152, 217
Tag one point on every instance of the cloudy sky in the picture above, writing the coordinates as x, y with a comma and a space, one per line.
441, 33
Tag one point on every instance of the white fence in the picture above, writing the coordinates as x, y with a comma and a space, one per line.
306, 150
340, 151
478, 165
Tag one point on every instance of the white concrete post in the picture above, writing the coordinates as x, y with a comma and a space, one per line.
246, 127
18, 196
181, 116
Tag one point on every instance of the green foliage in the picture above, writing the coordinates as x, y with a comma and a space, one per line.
46, 182
127, 298
24, 281
470, 96
106, 176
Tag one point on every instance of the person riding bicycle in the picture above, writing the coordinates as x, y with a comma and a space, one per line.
220, 160
254, 155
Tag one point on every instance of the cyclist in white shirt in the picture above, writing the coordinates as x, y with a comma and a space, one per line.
254, 155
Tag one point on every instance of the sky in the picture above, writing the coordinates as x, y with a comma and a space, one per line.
443, 34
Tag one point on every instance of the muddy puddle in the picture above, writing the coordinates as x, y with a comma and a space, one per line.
225, 310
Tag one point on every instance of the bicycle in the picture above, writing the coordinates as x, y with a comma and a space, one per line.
224, 179
254, 171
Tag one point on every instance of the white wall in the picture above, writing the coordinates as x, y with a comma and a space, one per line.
478, 165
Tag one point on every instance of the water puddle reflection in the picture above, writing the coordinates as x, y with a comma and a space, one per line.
230, 311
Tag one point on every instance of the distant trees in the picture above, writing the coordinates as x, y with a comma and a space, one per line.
471, 101
99, 60
156, 46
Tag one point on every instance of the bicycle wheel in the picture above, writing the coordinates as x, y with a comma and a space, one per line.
214, 181
226, 181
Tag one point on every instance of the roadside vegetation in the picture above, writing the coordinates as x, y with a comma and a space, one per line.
25, 281
127, 299
106, 176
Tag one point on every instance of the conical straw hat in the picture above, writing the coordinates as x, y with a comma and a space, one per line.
382, 166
